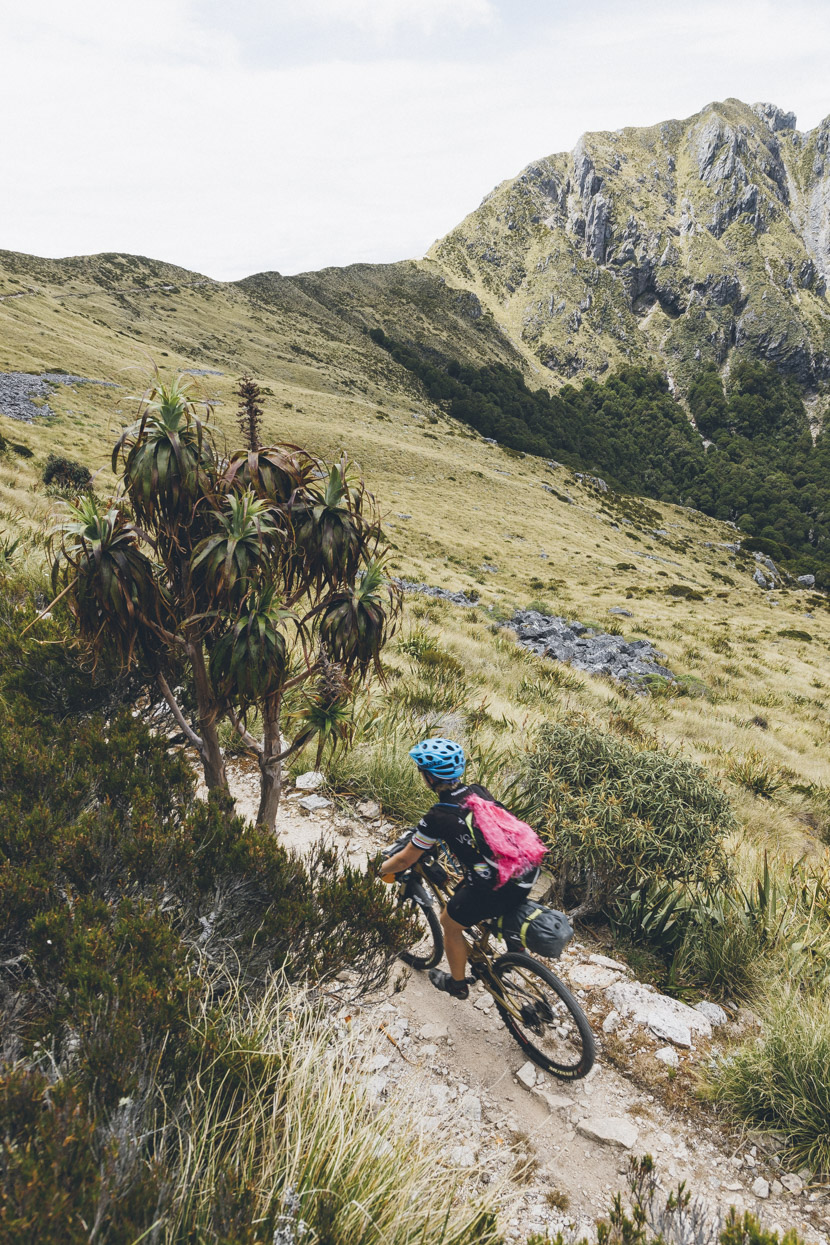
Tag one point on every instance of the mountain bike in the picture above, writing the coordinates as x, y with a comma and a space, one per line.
538, 1009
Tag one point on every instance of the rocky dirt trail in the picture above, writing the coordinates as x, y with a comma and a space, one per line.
557, 1151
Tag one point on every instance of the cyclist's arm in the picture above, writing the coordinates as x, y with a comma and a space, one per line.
401, 860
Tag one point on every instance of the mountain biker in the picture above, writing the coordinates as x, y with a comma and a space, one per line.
441, 763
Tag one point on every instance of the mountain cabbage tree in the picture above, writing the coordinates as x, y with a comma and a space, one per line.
256, 580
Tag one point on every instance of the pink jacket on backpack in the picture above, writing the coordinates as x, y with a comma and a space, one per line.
515, 845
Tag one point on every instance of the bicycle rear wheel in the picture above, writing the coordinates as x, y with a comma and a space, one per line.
544, 1017
426, 952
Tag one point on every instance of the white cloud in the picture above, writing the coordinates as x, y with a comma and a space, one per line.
383, 17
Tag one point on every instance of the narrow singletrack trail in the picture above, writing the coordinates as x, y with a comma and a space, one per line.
541, 1140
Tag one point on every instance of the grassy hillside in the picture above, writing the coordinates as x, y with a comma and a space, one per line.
461, 513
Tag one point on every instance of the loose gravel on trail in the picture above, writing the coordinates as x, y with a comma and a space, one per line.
20, 392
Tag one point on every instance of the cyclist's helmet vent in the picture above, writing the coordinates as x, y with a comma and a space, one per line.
440, 757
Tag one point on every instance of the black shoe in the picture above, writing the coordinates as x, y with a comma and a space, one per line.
447, 983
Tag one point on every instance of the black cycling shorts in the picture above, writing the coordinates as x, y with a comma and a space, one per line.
471, 904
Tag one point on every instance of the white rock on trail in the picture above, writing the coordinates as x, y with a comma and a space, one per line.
471, 1106
593, 975
310, 781
433, 1032
760, 1187
667, 1018
713, 1012
315, 803
610, 1131
554, 1102
369, 809
612, 1021
667, 1055
527, 1075
462, 1156
791, 1182
605, 961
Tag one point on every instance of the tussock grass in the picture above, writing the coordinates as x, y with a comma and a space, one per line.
779, 1081
278, 1129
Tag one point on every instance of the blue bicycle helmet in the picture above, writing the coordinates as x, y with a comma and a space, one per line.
440, 757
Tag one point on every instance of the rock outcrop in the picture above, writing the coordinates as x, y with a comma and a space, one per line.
596, 652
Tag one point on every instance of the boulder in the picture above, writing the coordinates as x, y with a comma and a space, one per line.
609, 1131
792, 1183
667, 1018
806, 581
760, 1187
667, 1055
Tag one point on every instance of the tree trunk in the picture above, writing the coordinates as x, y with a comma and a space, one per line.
213, 762
270, 765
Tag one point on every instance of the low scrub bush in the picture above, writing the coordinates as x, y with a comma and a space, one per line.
66, 475
617, 815
270, 1129
129, 910
778, 1081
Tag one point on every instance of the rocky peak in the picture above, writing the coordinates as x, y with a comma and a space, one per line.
775, 117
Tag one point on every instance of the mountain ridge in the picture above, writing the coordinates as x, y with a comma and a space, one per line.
672, 244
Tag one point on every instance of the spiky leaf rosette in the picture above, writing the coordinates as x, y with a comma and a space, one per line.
354, 623
249, 660
228, 563
332, 535
165, 456
115, 591
276, 473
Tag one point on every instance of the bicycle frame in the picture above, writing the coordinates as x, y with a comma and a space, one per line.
479, 943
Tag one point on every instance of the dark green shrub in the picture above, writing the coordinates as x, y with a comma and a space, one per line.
684, 591
22, 451
792, 633
617, 815
66, 475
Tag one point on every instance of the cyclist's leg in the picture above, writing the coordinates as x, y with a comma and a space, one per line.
454, 945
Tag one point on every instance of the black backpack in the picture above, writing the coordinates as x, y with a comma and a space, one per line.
541, 930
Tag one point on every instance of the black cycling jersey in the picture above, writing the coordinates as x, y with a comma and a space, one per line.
446, 821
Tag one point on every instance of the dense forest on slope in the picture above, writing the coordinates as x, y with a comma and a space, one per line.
760, 470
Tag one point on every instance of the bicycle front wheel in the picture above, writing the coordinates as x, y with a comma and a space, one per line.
427, 950
543, 1016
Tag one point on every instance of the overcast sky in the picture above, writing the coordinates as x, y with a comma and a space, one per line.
236, 137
